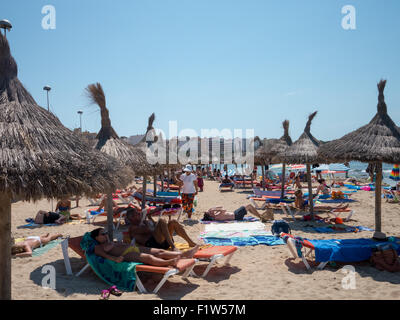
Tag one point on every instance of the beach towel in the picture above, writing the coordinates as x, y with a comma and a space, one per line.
122, 275
33, 225
248, 226
245, 241
346, 250
335, 200
330, 229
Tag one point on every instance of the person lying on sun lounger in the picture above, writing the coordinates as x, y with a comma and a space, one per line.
24, 248
46, 217
220, 214
302, 204
116, 209
120, 252
157, 235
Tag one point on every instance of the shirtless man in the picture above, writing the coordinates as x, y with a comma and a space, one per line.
155, 235
24, 248
220, 214
119, 252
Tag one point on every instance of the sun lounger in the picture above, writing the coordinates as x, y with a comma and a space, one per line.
184, 265
91, 216
212, 255
158, 200
96, 201
226, 186
301, 249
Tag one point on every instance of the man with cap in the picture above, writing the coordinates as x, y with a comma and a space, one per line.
189, 189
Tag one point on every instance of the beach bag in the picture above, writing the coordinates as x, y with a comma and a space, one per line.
385, 258
280, 226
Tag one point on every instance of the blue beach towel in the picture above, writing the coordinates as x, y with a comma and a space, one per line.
244, 241
122, 275
348, 229
245, 219
346, 250
335, 200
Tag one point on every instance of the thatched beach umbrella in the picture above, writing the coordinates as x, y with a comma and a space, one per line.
304, 150
39, 158
108, 142
376, 142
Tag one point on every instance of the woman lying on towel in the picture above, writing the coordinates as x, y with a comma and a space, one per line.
119, 252
302, 204
24, 248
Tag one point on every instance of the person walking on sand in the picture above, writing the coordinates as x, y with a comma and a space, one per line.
189, 190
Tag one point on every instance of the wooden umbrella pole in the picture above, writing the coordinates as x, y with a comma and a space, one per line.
155, 186
378, 197
310, 194
110, 218
283, 180
168, 179
144, 192
263, 177
5, 247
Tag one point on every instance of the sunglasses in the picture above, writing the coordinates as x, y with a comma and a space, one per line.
104, 233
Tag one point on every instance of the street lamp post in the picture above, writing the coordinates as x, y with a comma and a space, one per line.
80, 119
47, 88
6, 25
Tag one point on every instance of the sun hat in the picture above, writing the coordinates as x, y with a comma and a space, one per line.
187, 169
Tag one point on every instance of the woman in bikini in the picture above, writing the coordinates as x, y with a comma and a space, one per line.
302, 204
63, 207
120, 252
25, 248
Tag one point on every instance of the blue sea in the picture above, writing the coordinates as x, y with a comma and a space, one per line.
357, 170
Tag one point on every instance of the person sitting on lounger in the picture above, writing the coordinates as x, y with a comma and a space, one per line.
116, 209
322, 187
64, 207
119, 252
226, 180
302, 204
25, 248
155, 235
46, 217
220, 214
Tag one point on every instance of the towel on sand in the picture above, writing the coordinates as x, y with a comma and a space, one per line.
122, 275
257, 225
245, 241
245, 219
346, 250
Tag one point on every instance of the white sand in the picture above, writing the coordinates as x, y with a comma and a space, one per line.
258, 272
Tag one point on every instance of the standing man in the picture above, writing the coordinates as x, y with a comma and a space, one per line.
189, 190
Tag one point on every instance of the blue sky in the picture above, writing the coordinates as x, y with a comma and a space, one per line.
211, 64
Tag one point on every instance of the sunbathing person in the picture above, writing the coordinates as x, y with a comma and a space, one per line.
116, 209
323, 188
119, 252
297, 182
157, 235
302, 204
220, 214
25, 248
64, 207
46, 217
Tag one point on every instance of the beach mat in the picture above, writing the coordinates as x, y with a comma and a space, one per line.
335, 200
40, 251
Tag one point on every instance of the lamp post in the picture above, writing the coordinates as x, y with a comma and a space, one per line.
6, 25
80, 119
47, 88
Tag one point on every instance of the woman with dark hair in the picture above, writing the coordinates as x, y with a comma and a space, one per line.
119, 252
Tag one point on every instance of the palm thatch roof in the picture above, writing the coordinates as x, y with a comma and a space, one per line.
107, 140
305, 149
270, 150
378, 141
146, 168
39, 157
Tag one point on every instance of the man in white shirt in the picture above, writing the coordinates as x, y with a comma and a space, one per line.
189, 190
